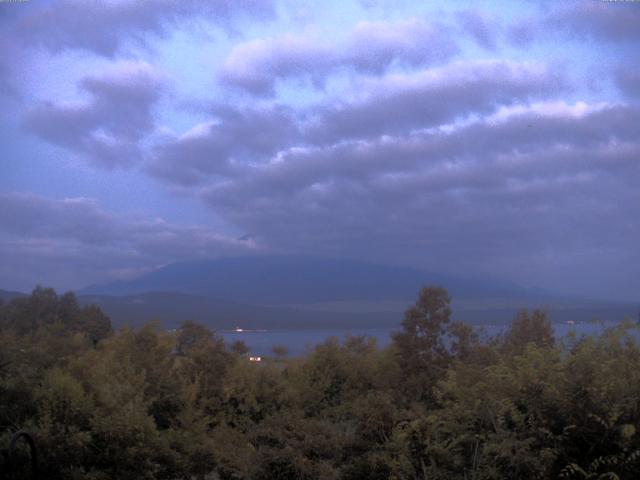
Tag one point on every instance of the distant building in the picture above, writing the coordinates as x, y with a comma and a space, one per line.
255, 359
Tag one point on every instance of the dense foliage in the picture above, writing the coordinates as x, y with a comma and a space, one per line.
438, 403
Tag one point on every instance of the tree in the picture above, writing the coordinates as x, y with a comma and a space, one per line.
26, 315
280, 351
44, 309
525, 329
94, 323
421, 351
204, 360
192, 334
464, 340
239, 347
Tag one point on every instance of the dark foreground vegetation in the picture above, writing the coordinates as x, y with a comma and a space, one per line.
436, 404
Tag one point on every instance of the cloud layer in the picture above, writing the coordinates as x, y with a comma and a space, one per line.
72, 242
466, 141
371, 47
107, 128
103, 27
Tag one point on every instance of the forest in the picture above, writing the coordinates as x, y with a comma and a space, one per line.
440, 402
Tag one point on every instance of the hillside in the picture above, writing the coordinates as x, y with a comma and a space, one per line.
306, 292
277, 280
8, 295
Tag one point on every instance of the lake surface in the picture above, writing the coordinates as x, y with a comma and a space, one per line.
299, 341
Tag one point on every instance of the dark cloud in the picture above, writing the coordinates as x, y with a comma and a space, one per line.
72, 242
234, 138
106, 129
6, 84
522, 33
400, 103
628, 80
609, 21
554, 180
611, 27
103, 27
371, 47
414, 153
10, 67
612, 21
391, 105
483, 29
514, 142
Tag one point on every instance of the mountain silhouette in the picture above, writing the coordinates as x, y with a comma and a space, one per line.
275, 280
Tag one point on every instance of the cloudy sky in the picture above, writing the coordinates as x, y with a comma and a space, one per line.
483, 139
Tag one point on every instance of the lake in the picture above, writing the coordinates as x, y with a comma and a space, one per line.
299, 341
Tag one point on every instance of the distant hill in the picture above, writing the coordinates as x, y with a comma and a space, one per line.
8, 295
300, 292
310, 292
274, 280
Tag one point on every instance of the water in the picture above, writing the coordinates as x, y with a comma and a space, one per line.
299, 342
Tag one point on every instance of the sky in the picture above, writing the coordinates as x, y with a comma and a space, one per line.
488, 139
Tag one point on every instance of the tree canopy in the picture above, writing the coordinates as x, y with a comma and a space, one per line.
437, 403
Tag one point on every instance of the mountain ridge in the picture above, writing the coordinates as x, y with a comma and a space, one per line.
291, 279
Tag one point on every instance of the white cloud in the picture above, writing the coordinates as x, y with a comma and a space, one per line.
258, 65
